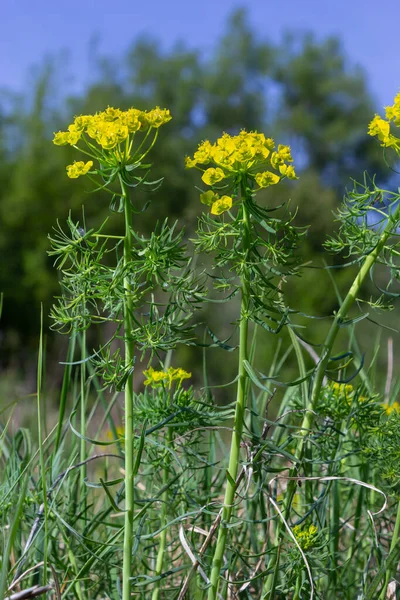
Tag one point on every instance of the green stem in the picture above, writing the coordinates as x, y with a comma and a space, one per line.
395, 539
129, 438
238, 419
41, 446
164, 511
64, 390
82, 453
269, 587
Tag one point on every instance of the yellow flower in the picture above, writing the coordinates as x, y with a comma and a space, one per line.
75, 134
284, 152
226, 143
190, 162
240, 157
78, 168
288, 171
395, 407
61, 138
209, 198
203, 153
266, 179
177, 375
154, 378
380, 128
245, 151
221, 205
393, 114
342, 388
276, 160
82, 121
305, 538
156, 117
222, 157
131, 118
111, 114
212, 176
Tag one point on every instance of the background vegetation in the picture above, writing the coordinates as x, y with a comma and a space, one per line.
303, 91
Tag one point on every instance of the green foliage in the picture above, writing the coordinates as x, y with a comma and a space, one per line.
292, 491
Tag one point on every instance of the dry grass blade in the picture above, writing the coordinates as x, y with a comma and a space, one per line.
32, 592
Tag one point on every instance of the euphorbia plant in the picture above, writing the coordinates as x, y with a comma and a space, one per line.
253, 251
94, 291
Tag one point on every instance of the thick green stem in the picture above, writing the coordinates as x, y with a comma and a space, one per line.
395, 539
238, 420
164, 511
269, 587
129, 351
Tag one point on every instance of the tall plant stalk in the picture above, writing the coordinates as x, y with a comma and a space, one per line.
129, 356
270, 584
239, 415
82, 451
41, 447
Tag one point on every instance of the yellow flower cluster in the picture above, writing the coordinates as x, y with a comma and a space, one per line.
112, 126
79, 168
380, 127
158, 378
109, 129
306, 537
250, 154
389, 408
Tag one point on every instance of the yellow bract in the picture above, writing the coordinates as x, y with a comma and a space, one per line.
266, 179
221, 205
79, 168
208, 198
212, 176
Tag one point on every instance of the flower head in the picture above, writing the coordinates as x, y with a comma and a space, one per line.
381, 128
247, 156
306, 537
109, 135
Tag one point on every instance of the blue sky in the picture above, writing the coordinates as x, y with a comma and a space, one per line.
31, 29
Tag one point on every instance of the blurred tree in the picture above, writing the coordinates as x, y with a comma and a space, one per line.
325, 107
